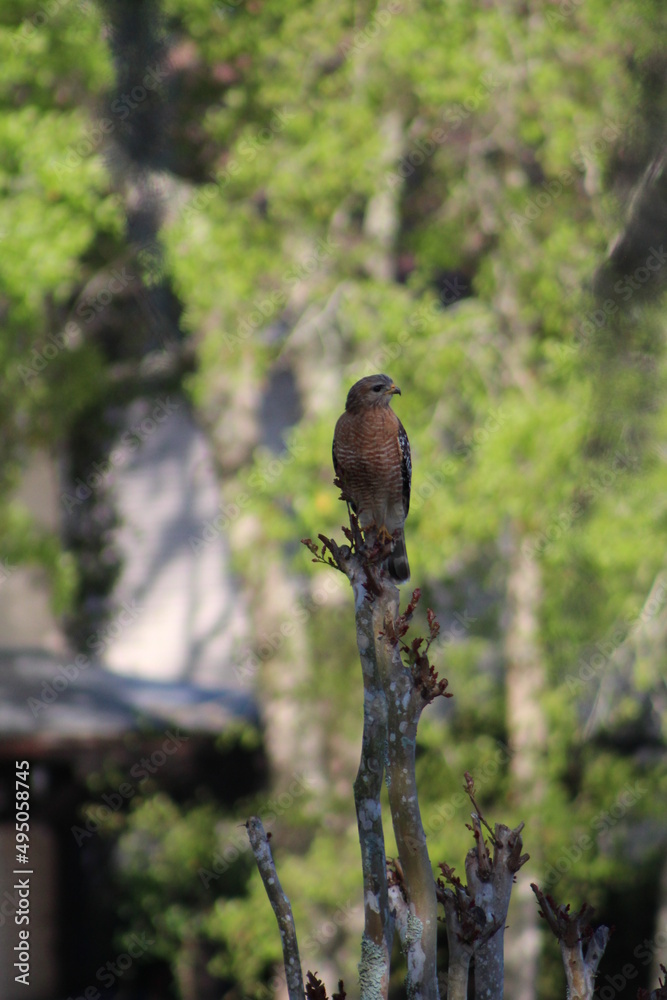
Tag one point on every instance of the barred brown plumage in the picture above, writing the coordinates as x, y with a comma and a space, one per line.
371, 456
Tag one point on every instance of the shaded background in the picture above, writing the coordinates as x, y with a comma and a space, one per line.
214, 218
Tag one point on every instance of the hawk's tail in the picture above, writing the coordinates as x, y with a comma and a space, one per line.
397, 561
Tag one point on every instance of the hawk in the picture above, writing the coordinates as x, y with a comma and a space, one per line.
371, 457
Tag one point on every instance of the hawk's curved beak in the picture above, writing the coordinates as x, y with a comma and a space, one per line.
394, 390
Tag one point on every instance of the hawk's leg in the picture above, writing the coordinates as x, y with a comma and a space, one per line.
384, 537
379, 543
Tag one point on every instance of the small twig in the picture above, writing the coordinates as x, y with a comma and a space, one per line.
424, 674
469, 789
281, 906
315, 988
356, 560
341, 995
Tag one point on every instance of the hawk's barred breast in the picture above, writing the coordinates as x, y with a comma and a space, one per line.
371, 455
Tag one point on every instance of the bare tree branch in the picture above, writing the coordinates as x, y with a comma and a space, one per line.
281, 906
405, 702
378, 927
394, 696
463, 928
572, 930
490, 882
378, 920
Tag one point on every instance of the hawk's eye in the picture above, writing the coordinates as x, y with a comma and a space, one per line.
377, 388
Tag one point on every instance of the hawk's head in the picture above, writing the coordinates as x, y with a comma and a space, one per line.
374, 390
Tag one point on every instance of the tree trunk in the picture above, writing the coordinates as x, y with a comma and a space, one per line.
527, 731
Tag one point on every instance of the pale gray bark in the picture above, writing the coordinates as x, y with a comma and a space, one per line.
490, 880
525, 685
571, 930
395, 695
280, 904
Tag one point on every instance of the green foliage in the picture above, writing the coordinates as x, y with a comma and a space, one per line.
161, 857
497, 149
56, 204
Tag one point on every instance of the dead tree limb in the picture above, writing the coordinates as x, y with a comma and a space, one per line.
572, 930
378, 923
377, 939
475, 913
281, 906
490, 881
395, 693
464, 924
406, 699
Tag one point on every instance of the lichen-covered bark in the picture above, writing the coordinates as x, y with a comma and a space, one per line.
490, 881
404, 706
378, 924
393, 702
281, 907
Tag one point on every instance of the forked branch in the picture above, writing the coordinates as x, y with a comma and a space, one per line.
395, 694
581, 945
